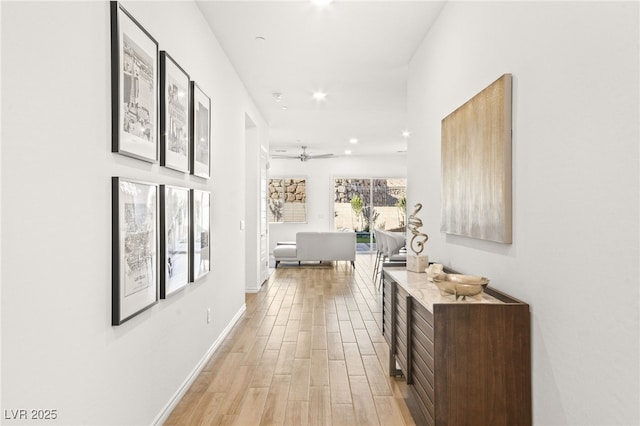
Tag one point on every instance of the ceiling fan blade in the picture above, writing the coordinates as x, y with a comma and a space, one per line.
304, 156
293, 157
320, 156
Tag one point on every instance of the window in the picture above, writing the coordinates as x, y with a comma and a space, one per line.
365, 204
287, 200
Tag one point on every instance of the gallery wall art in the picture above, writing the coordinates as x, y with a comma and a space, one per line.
134, 87
200, 237
160, 232
200, 132
175, 115
174, 239
476, 166
134, 248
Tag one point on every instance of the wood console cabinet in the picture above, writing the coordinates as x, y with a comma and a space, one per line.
469, 363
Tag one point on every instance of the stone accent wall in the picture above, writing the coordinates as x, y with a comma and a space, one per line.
289, 190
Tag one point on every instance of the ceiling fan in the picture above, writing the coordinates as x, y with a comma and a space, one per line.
304, 156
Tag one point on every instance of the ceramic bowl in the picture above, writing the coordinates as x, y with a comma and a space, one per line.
460, 285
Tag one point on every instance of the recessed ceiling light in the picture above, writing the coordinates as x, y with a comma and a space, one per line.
347, 152
353, 140
319, 96
406, 134
285, 107
260, 38
277, 96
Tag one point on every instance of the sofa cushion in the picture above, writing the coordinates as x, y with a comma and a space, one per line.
285, 251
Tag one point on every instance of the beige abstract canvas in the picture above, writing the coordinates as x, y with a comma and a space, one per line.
476, 166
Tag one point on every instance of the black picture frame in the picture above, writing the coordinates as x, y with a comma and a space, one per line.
200, 132
134, 87
175, 237
200, 234
175, 115
134, 248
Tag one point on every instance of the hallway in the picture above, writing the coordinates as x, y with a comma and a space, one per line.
307, 351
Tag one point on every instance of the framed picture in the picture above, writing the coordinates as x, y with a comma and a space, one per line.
200, 132
134, 87
174, 239
200, 237
476, 166
135, 248
174, 115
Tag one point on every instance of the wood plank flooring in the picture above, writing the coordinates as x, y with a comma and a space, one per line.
308, 351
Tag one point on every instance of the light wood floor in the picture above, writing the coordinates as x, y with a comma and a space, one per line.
308, 351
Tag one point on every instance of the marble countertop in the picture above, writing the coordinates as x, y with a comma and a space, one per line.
426, 292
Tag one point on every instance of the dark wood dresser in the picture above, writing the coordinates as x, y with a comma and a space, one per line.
469, 362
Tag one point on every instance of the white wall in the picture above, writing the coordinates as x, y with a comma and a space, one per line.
320, 174
253, 138
575, 254
59, 350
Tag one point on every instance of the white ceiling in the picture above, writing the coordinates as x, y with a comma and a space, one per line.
355, 51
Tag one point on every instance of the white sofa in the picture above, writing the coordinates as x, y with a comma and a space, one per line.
318, 246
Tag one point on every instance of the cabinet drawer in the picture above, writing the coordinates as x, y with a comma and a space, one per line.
422, 334
421, 354
401, 342
425, 399
386, 297
386, 306
386, 313
401, 319
426, 372
401, 309
423, 319
402, 292
386, 327
424, 313
401, 332
402, 360
386, 332
402, 299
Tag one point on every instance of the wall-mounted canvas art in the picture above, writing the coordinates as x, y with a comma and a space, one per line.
175, 115
174, 239
200, 132
476, 166
134, 248
200, 238
134, 87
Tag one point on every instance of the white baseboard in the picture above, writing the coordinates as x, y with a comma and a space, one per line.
182, 390
258, 288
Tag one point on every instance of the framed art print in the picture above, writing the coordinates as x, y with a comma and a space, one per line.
476, 166
174, 115
135, 248
174, 239
200, 132
134, 87
200, 238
